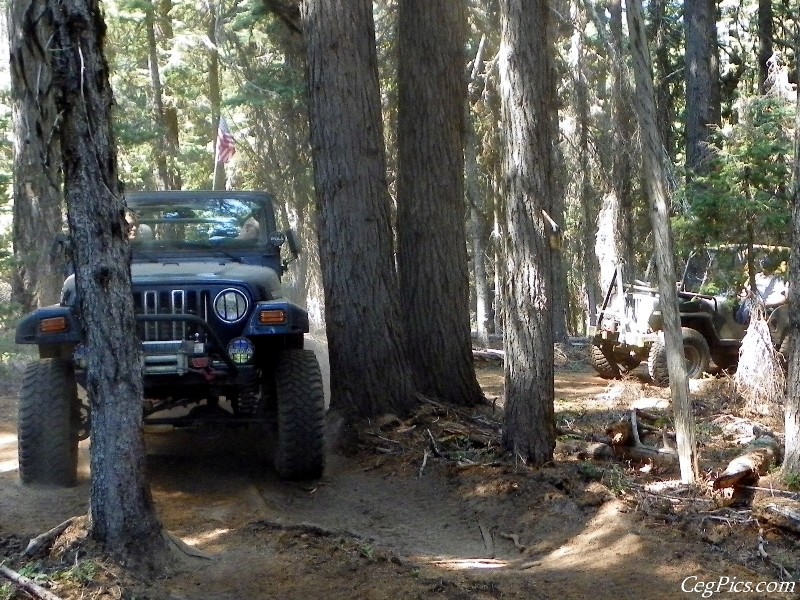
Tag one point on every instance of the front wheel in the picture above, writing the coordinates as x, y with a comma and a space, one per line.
602, 362
695, 352
609, 365
49, 424
301, 416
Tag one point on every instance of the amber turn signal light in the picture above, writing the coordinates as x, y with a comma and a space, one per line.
53, 325
272, 317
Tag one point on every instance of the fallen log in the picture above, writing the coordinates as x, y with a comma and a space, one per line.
489, 355
758, 457
781, 512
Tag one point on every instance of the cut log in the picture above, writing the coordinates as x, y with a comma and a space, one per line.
756, 460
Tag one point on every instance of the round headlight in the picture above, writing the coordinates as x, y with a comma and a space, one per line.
231, 305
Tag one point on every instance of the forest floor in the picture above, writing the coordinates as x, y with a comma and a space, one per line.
391, 519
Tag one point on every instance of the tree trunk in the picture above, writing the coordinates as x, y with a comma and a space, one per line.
765, 34
37, 212
586, 196
214, 95
791, 459
165, 121
122, 515
662, 66
702, 80
369, 371
527, 81
655, 179
431, 240
622, 145
477, 204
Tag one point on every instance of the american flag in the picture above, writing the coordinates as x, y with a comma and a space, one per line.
226, 145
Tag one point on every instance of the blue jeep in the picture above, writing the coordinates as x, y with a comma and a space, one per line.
219, 345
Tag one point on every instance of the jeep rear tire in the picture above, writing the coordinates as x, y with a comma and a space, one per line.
695, 352
301, 416
48, 424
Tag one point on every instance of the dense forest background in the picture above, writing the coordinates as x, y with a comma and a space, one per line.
723, 72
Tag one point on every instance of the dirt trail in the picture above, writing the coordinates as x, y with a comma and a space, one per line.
372, 528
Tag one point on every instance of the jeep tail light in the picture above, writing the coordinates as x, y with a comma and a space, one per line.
54, 325
272, 317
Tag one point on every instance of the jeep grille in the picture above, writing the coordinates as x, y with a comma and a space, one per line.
169, 302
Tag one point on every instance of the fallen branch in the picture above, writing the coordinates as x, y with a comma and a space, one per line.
434, 445
26, 584
772, 491
627, 444
424, 462
514, 538
46, 538
182, 546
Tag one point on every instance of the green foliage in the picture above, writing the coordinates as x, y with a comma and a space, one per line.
81, 572
6, 591
748, 180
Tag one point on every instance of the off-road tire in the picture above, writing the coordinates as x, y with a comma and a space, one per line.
48, 424
300, 453
695, 351
608, 365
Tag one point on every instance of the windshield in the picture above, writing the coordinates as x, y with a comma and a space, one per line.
191, 223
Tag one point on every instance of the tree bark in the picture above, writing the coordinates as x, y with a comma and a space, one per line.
121, 511
658, 197
431, 240
622, 145
167, 175
765, 34
477, 204
702, 80
37, 211
791, 459
527, 90
214, 94
663, 70
369, 372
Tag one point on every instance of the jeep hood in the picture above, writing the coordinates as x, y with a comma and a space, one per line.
262, 280
183, 273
